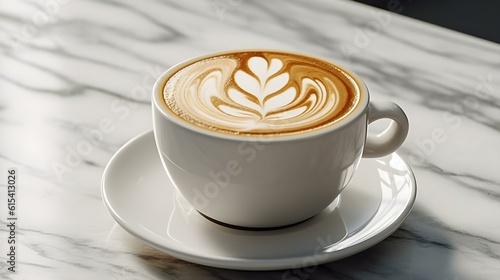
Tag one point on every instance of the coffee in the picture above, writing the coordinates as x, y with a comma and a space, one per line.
303, 122
261, 93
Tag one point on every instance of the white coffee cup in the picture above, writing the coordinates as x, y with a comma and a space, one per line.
267, 182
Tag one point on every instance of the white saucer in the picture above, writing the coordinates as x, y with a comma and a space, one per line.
140, 197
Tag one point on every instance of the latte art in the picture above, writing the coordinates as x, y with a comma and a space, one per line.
261, 93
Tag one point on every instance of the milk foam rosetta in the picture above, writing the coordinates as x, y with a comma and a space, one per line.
261, 93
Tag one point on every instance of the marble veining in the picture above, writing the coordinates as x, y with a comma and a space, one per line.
75, 79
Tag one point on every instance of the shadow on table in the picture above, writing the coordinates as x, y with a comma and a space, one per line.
418, 250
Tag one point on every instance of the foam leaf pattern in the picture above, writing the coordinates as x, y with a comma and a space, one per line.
264, 94
262, 90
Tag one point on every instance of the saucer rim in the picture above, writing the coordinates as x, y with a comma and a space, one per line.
158, 243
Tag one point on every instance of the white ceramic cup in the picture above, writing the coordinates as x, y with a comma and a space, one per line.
267, 182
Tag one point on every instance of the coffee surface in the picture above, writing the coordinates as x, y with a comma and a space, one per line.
261, 93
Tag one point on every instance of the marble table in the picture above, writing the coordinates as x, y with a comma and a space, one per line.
67, 66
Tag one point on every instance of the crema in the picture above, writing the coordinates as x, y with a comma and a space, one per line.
261, 93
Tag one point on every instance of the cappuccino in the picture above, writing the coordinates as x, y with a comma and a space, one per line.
261, 93
266, 139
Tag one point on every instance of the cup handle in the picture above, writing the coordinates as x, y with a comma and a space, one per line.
393, 136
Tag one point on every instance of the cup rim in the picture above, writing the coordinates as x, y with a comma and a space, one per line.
355, 114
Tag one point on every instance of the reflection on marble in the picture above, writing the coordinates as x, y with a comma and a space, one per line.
75, 79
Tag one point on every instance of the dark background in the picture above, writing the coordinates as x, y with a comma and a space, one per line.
479, 18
